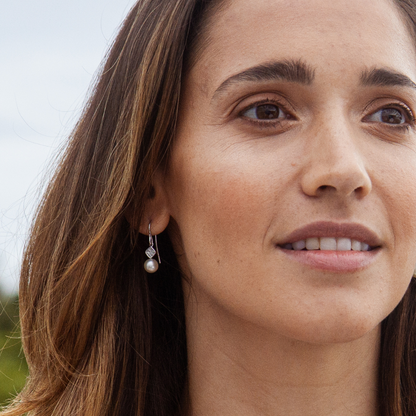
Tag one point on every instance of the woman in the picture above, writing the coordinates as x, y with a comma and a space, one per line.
270, 146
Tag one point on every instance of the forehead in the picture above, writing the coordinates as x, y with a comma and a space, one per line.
334, 33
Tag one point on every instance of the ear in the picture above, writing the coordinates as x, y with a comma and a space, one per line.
156, 210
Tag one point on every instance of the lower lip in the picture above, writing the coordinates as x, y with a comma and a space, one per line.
334, 261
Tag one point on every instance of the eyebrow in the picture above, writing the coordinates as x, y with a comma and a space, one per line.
385, 78
287, 70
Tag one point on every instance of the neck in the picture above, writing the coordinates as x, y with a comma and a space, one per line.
236, 368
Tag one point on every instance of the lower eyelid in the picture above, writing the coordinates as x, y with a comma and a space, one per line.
408, 120
403, 108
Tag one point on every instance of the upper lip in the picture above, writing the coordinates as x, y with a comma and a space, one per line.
336, 230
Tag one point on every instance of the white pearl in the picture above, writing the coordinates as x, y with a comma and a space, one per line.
151, 265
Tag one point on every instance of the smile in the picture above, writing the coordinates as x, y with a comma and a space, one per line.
328, 243
331, 246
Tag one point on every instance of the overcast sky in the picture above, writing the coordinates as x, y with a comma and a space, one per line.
49, 52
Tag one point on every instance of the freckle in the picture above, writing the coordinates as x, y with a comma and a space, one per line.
218, 261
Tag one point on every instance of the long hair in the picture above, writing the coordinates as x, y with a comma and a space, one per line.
101, 337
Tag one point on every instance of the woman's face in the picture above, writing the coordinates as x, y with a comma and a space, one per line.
297, 127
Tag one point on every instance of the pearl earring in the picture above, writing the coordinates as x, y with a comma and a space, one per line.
150, 265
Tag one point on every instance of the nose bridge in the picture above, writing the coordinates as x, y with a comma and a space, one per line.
334, 159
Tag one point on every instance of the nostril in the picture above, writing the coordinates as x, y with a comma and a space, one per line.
361, 191
325, 189
347, 179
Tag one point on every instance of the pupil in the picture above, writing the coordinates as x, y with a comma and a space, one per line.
391, 116
267, 112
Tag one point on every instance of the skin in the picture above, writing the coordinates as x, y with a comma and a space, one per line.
268, 334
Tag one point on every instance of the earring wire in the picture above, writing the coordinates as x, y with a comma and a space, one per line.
151, 244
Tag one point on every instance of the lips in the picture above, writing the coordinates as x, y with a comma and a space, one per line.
328, 243
325, 235
334, 247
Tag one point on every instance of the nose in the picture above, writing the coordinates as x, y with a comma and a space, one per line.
334, 164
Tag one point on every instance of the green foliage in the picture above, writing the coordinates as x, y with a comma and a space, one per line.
13, 367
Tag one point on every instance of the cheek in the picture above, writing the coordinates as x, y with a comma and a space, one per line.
223, 205
217, 208
404, 225
397, 180
393, 180
405, 216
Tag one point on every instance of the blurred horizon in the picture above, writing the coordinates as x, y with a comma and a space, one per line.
52, 51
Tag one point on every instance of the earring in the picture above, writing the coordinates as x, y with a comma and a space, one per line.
150, 265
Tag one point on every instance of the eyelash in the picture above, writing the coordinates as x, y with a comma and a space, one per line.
267, 123
404, 109
410, 120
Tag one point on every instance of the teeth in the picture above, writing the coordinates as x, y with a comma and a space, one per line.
343, 244
328, 243
365, 247
299, 245
312, 244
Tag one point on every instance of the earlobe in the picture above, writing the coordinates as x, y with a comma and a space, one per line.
156, 210
158, 220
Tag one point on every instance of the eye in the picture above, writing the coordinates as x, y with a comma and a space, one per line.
267, 111
392, 116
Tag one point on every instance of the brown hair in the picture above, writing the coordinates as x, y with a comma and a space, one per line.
102, 337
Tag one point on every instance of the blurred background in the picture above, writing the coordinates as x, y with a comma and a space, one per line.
50, 52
